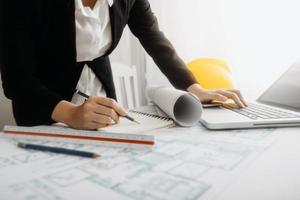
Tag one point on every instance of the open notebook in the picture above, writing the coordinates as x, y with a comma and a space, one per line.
148, 122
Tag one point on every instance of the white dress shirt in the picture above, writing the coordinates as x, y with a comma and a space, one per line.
93, 39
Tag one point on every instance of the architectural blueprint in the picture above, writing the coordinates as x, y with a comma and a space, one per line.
186, 164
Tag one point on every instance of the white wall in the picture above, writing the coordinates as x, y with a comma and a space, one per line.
258, 38
263, 39
193, 26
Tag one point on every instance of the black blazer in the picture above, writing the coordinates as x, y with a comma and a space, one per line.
38, 53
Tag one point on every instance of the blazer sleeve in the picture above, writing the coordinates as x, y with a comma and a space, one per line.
33, 101
143, 24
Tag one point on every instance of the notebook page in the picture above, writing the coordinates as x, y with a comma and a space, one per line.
147, 123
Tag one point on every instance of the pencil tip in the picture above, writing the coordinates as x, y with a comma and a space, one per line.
96, 156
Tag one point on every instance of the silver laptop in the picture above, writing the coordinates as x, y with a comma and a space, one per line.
279, 106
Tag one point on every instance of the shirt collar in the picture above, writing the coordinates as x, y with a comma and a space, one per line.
78, 3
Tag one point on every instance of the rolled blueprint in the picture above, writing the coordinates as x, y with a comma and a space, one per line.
183, 107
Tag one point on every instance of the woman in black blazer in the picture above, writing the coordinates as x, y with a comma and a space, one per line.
40, 72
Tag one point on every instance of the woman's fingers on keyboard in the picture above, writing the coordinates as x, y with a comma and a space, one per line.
233, 96
237, 92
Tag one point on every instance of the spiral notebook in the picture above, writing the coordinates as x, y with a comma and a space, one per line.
148, 122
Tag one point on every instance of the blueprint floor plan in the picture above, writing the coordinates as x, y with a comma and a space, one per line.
186, 164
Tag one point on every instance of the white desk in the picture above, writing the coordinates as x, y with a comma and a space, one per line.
186, 164
274, 175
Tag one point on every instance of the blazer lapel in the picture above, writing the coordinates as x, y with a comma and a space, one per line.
113, 29
115, 13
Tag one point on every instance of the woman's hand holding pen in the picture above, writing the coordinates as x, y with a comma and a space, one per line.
95, 112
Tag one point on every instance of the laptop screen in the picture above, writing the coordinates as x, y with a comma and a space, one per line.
285, 92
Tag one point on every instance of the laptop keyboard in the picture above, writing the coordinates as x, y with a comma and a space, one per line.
255, 111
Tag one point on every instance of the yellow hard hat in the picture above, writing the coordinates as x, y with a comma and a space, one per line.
211, 73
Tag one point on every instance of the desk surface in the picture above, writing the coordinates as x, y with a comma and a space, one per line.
186, 164
274, 175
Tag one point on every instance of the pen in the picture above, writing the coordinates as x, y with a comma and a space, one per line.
58, 150
126, 116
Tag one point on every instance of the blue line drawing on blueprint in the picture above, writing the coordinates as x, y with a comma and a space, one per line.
182, 166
